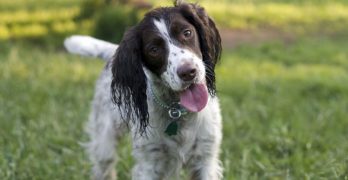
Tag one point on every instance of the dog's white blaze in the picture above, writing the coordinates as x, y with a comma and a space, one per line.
176, 57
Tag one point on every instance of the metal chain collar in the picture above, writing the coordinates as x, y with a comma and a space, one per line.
175, 110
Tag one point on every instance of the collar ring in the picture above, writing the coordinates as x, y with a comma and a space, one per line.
174, 113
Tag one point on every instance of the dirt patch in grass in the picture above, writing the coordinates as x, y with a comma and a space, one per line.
232, 38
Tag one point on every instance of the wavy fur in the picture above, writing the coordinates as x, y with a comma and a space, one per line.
128, 84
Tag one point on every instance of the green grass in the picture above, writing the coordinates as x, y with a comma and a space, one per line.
42, 111
284, 106
285, 109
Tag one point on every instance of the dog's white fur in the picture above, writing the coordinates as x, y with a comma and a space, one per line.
88, 46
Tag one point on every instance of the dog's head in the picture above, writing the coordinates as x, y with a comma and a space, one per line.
179, 46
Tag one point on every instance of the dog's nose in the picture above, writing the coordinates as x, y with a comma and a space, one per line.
187, 72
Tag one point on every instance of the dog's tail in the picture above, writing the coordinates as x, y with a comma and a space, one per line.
88, 46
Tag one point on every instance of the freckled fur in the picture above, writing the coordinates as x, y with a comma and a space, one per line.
123, 102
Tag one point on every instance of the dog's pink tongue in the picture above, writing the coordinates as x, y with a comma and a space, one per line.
194, 98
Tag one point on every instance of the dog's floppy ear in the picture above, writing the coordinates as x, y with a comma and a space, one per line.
128, 84
209, 38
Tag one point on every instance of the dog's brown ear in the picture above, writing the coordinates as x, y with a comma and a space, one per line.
128, 84
209, 38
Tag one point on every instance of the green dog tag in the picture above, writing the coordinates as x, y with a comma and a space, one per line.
172, 128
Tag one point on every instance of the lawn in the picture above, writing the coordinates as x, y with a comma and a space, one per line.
285, 109
284, 103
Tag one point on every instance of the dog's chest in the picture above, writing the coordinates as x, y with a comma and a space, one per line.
184, 143
179, 146
196, 132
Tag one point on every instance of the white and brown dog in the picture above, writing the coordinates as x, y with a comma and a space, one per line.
160, 84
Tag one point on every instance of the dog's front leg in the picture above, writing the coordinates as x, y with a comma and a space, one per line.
206, 169
204, 163
153, 162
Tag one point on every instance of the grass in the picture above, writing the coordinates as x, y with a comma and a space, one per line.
42, 112
285, 109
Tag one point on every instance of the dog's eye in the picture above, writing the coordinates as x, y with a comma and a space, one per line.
187, 33
154, 50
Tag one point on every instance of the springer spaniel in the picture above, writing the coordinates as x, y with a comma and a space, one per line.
160, 84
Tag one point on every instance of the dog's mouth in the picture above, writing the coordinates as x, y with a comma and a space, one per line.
195, 97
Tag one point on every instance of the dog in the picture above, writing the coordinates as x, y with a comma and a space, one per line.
159, 84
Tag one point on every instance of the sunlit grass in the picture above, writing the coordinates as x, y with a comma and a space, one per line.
287, 17
291, 18
40, 23
10, 5
38, 16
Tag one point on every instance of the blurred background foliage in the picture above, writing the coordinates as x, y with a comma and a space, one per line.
28, 19
282, 82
